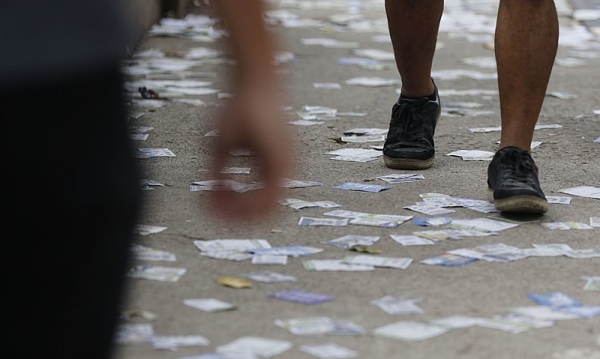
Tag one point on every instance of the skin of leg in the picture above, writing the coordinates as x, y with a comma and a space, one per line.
526, 41
413, 26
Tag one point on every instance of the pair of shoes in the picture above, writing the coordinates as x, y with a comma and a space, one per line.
513, 184
512, 175
409, 143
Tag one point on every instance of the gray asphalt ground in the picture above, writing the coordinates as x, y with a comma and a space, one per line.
567, 157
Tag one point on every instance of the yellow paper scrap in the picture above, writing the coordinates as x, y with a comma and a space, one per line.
234, 282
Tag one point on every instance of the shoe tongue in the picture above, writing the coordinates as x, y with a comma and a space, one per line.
513, 149
515, 155
414, 101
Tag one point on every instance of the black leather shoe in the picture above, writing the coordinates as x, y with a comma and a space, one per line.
409, 144
513, 182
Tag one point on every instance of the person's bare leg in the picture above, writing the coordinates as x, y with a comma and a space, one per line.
413, 26
525, 45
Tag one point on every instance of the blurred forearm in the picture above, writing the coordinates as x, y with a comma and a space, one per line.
252, 45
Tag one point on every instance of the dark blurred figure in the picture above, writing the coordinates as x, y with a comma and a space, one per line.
71, 184
70, 180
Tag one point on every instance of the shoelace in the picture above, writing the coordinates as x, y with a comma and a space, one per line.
519, 166
413, 124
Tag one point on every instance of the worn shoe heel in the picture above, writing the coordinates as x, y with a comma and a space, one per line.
522, 204
408, 163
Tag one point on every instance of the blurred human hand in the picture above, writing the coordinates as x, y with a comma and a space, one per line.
251, 120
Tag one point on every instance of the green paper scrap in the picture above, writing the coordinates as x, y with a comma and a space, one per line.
365, 249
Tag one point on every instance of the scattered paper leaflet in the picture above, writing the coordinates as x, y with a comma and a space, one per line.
442, 234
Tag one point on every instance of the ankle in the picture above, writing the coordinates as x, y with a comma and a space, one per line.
525, 146
414, 92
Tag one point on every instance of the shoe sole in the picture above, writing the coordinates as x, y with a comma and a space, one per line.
411, 163
519, 204
408, 163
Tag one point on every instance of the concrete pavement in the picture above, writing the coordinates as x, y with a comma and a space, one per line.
567, 157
